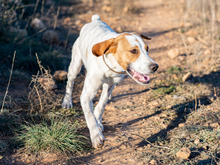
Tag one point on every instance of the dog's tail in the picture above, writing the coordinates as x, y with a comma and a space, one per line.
95, 17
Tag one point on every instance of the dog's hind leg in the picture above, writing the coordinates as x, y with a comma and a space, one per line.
99, 109
74, 69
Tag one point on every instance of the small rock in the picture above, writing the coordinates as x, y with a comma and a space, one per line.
206, 124
181, 58
183, 153
174, 76
188, 24
173, 53
214, 125
141, 14
106, 8
78, 22
203, 41
187, 76
50, 36
148, 145
197, 141
125, 10
19, 32
117, 18
154, 103
108, 107
28, 161
207, 52
191, 39
153, 161
168, 106
37, 24
181, 125
205, 147
119, 29
212, 97
60, 75
156, 118
66, 20
47, 83
192, 32
175, 97
106, 2
140, 28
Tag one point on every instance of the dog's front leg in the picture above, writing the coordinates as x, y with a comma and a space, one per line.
89, 90
99, 109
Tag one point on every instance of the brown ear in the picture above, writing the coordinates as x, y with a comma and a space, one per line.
104, 47
142, 36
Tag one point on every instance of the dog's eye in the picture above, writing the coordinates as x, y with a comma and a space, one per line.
134, 51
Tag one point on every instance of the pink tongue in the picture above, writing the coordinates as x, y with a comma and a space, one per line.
141, 77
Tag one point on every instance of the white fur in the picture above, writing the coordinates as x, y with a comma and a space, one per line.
98, 74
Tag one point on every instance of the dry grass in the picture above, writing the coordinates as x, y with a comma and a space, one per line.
42, 98
202, 17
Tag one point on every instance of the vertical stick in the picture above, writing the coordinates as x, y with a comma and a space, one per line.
55, 24
212, 5
8, 82
42, 8
204, 16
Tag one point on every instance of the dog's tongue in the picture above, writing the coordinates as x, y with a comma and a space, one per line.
141, 77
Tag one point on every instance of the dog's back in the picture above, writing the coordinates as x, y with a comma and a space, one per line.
91, 33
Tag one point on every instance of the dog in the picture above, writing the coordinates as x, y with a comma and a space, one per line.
107, 57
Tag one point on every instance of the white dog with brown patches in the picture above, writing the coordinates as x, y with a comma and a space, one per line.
124, 53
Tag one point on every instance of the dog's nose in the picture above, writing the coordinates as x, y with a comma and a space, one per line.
153, 67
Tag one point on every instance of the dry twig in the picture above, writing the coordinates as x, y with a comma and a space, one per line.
8, 82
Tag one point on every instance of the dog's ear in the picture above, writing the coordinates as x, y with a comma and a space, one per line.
142, 36
104, 47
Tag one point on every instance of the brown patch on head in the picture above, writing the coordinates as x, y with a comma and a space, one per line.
107, 46
123, 54
121, 49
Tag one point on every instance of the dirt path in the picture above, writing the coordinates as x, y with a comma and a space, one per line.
127, 118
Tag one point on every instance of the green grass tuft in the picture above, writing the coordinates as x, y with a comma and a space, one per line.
174, 69
60, 136
165, 90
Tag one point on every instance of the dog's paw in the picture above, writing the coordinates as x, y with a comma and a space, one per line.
97, 140
67, 103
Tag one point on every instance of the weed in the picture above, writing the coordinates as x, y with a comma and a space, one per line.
60, 136
174, 69
165, 90
41, 97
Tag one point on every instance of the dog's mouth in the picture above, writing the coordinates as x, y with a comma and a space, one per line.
138, 77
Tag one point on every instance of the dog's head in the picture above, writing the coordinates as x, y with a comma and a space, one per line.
131, 53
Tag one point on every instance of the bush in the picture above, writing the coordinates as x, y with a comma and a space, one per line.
60, 136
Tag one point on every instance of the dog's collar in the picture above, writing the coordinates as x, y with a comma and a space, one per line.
123, 72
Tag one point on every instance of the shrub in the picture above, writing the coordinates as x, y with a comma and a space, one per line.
60, 136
